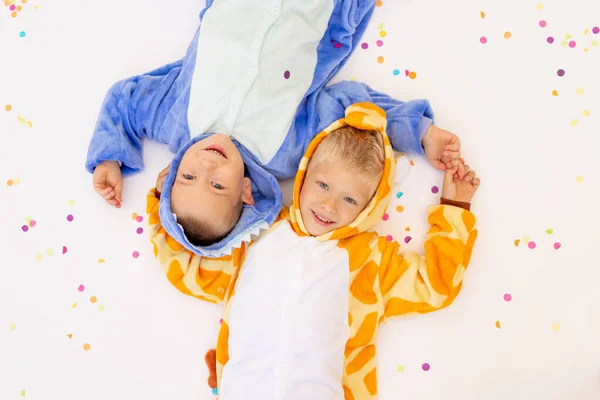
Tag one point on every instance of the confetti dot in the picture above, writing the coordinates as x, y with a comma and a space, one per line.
579, 179
49, 252
555, 327
586, 113
380, 59
379, 43
543, 23
389, 238
74, 305
8, 107
38, 256
12, 326
557, 246
594, 43
17, 181
71, 203
382, 34
568, 36
64, 249
412, 75
32, 223
221, 321
482, 14
400, 368
101, 261
22, 34
554, 93
507, 297
396, 72
483, 40
531, 245
498, 324
540, 6
407, 229
550, 231
139, 231
399, 194
25, 228
139, 218
81, 288
337, 45
586, 31
580, 90
364, 46
517, 243
434, 189
12, 8
86, 347
69, 218
399, 208
572, 44
507, 35
22, 393
550, 39
101, 308
70, 336
425, 367
596, 30
134, 216
407, 239
564, 43
380, 26
215, 391
135, 254
573, 122
286, 74
412, 163
560, 72
9, 182
385, 217
13, 14
93, 299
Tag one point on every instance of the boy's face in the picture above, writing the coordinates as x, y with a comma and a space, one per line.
332, 197
210, 182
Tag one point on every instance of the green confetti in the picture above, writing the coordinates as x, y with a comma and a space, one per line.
568, 36
101, 308
550, 231
23, 393
564, 43
400, 368
12, 326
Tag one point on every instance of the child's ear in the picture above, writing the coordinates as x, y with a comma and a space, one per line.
247, 192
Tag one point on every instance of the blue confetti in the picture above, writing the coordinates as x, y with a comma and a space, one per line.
396, 72
399, 194
22, 33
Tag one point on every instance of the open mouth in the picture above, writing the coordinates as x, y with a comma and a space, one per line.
217, 150
320, 220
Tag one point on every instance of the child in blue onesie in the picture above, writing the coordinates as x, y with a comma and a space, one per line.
239, 111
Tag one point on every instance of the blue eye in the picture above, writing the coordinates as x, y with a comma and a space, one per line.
350, 200
323, 185
188, 177
217, 186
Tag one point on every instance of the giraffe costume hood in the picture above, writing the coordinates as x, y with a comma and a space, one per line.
302, 313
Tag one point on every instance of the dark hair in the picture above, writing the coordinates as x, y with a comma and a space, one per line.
200, 233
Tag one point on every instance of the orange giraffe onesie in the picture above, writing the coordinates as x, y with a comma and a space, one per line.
380, 282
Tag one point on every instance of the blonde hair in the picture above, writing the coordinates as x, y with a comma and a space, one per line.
360, 152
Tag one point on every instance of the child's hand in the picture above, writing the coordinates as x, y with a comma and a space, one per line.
108, 182
442, 149
460, 189
160, 180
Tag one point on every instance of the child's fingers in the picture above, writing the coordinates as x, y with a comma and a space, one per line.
470, 176
476, 182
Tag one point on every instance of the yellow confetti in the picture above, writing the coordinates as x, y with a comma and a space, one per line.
38, 256
86, 347
101, 261
353, 78
580, 90
526, 239
586, 113
554, 93
382, 33
49, 252
71, 203
498, 324
555, 327
74, 305
29, 123
586, 31
573, 122
12, 326
579, 179
540, 6
380, 26
101, 308
93, 299
594, 43
17, 181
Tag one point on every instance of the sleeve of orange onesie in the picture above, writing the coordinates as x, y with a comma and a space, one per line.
209, 279
411, 283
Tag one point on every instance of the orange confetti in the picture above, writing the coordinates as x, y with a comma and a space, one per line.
498, 324
407, 229
412, 75
412, 163
507, 35
379, 3
399, 208
13, 14
554, 93
9, 182
482, 14
8, 107
134, 216
93, 299
70, 336
517, 242
19, 8
380, 59
86, 347
23, 1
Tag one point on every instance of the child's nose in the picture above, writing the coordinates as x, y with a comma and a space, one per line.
328, 204
208, 164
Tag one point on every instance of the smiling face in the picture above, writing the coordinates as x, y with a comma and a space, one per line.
210, 189
332, 197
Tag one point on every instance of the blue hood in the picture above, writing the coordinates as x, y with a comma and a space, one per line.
267, 198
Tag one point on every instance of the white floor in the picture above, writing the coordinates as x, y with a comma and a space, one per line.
149, 341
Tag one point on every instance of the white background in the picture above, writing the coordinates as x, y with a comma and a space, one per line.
150, 341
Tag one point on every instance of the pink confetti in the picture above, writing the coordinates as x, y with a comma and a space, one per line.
32, 223
483, 40
64, 250
385, 217
136, 254
531, 245
572, 44
379, 43
507, 297
543, 23
81, 288
426, 367
337, 45
389, 238
139, 218
69, 218
407, 239
557, 246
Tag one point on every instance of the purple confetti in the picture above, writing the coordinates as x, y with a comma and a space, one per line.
286, 74
69, 218
426, 367
364, 46
407, 239
434, 189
